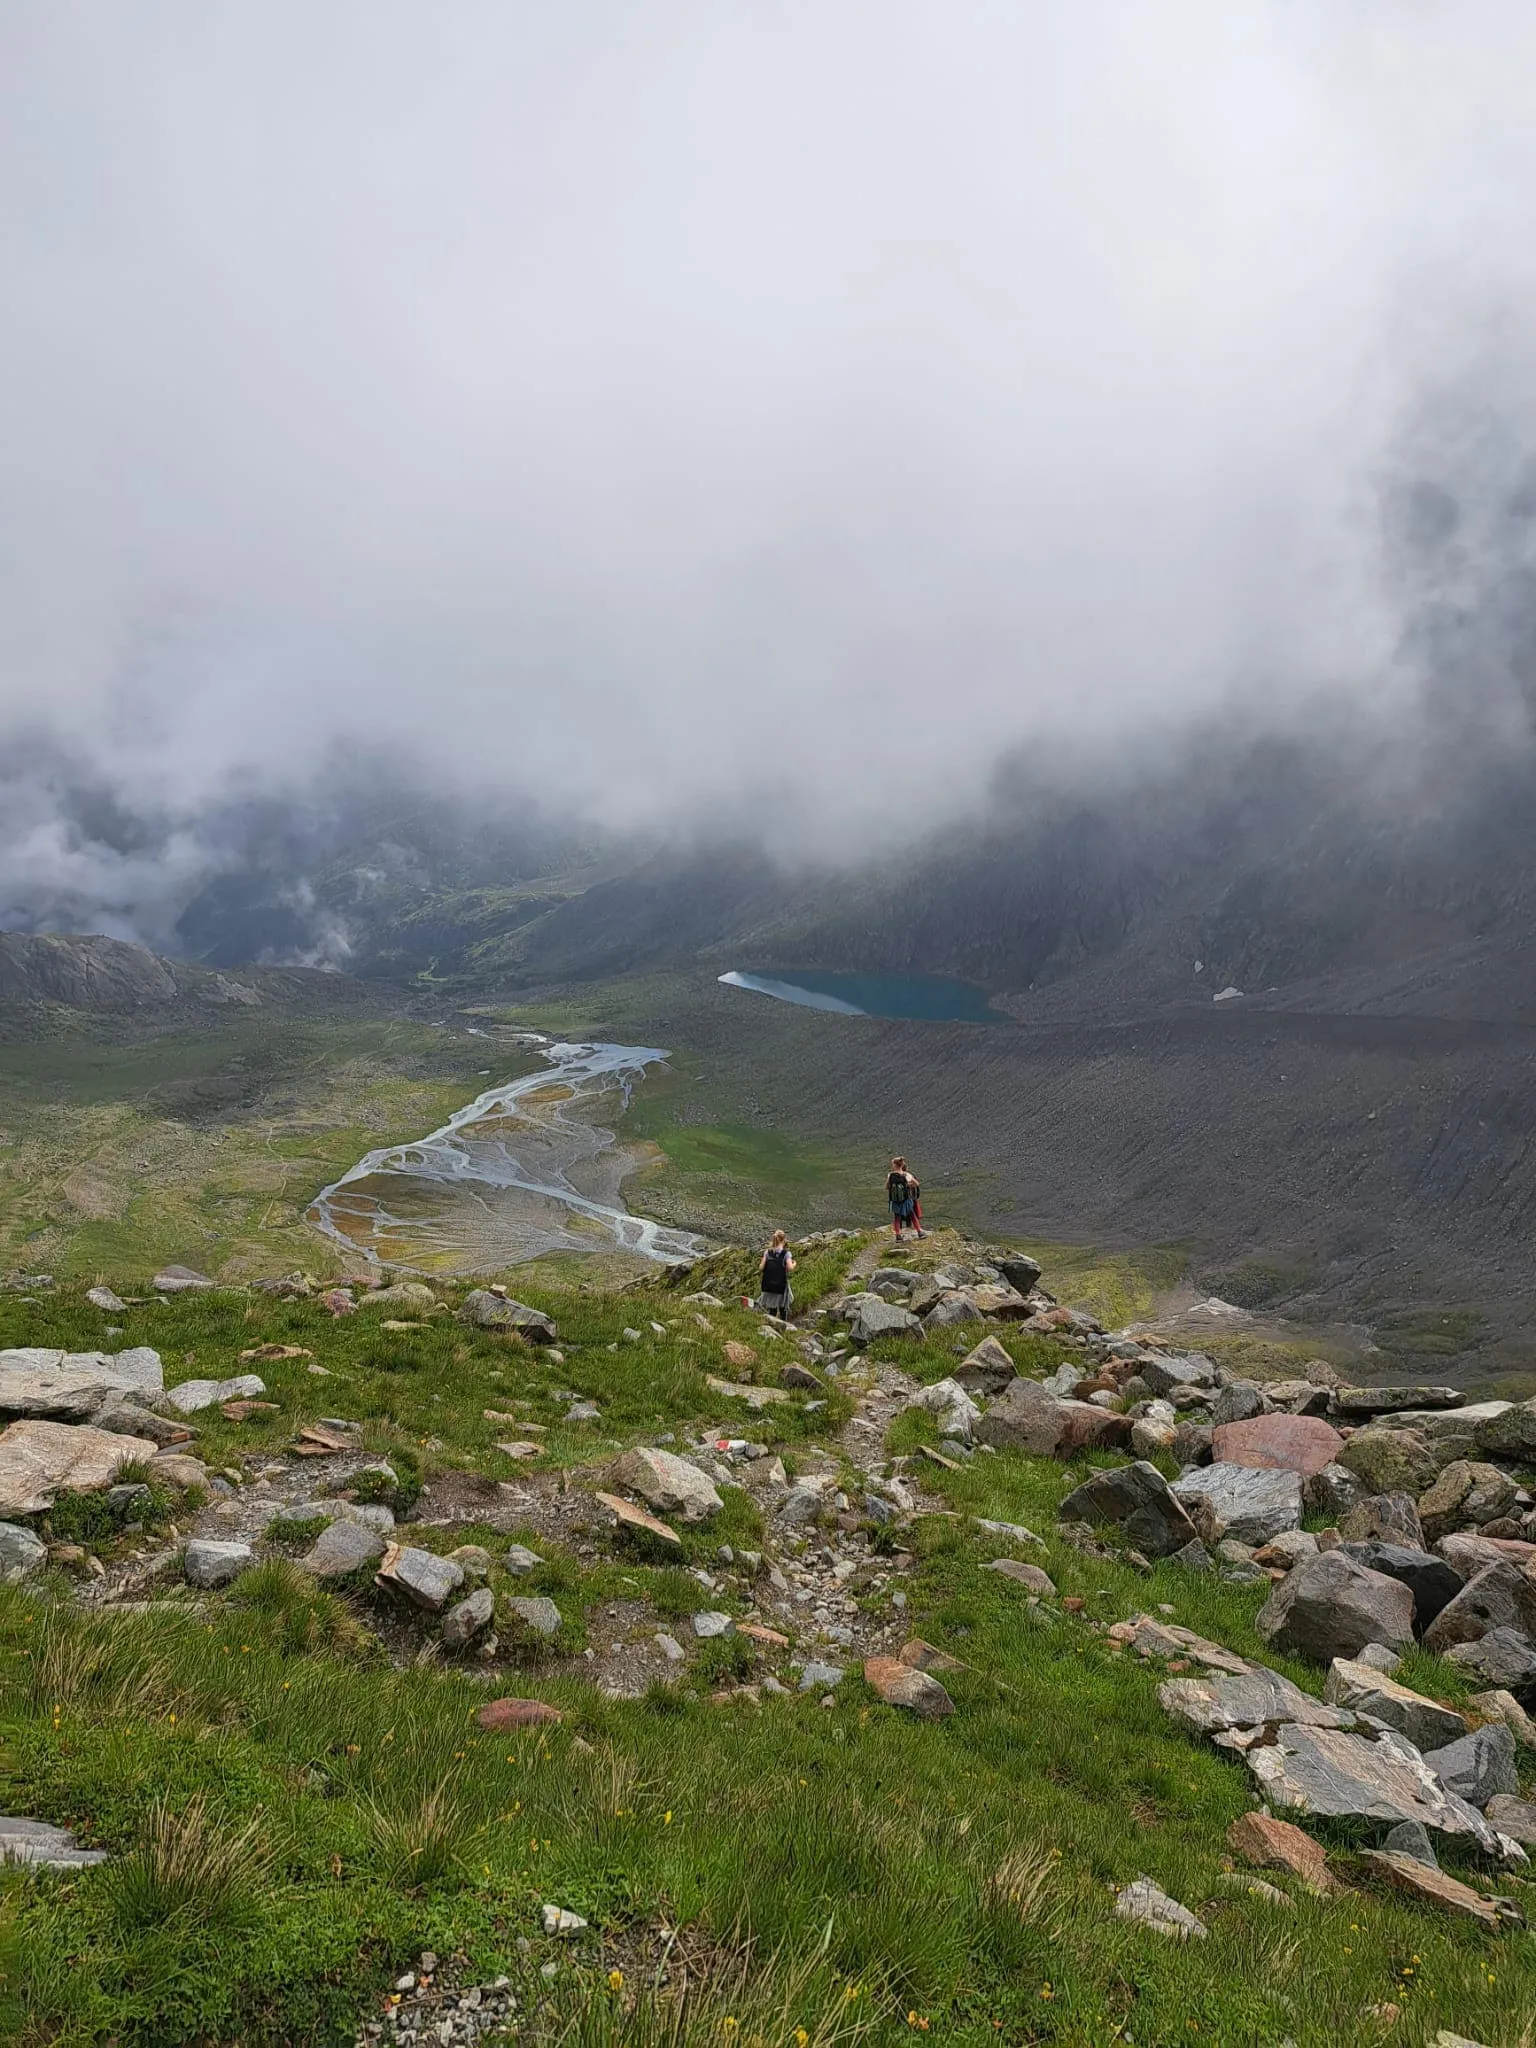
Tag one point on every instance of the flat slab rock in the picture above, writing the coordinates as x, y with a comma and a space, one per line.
1271, 1844
637, 1518
192, 1396
1149, 1637
1394, 1400
39, 1460
1287, 1443
1435, 1888
1255, 1699
49, 1848
497, 1716
1255, 1502
1344, 1776
1425, 1723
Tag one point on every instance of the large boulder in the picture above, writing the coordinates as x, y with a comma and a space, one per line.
1164, 1370
1499, 1597
1255, 1503
871, 1318
1337, 1775
1383, 1518
1509, 1434
1465, 1495
1286, 1443
483, 1310
1390, 1460
1020, 1271
1430, 1580
1332, 1492
1477, 1766
1473, 1554
1504, 1658
668, 1483
412, 1297
1330, 1607
988, 1369
1140, 1501
1364, 1690
1028, 1417
40, 1460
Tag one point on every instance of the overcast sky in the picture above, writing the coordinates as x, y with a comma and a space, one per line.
698, 411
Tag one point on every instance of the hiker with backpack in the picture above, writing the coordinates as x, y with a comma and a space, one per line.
775, 1298
901, 1194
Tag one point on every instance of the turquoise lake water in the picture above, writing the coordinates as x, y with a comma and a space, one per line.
930, 998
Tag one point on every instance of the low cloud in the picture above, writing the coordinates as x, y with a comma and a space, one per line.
707, 418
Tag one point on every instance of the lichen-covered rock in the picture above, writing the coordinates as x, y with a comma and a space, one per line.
1390, 1460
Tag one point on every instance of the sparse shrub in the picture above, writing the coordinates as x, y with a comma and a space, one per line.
428, 1843
677, 1594
187, 1867
303, 1616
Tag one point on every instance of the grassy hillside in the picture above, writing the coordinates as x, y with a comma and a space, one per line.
298, 1804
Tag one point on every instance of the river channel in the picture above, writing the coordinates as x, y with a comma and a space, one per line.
526, 1169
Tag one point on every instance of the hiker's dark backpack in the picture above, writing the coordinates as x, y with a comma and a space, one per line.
897, 1192
775, 1272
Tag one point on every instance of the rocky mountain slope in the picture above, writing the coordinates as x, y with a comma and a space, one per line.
532, 1642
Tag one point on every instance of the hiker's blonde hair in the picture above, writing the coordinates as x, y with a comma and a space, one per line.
777, 1241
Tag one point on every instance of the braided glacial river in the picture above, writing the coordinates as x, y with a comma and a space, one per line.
522, 1171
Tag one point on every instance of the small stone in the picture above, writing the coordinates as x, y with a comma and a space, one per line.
498, 1715
342, 1547
814, 1676
179, 1280
558, 1921
1411, 1838
424, 1578
538, 1613
670, 1647
194, 1395
22, 1552
209, 1564
463, 1623
1148, 1904
709, 1625
520, 1561
104, 1299
1028, 1575
1377, 1657
473, 1559
1503, 1706
903, 1685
